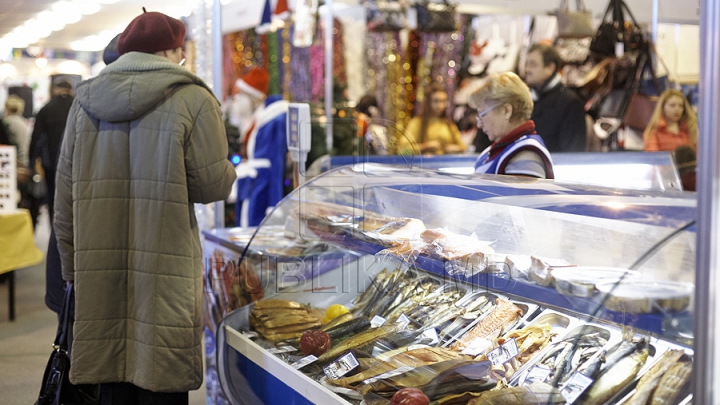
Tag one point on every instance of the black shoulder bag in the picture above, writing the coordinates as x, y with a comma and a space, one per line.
56, 388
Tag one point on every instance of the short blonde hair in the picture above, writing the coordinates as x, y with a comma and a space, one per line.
505, 88
14, 104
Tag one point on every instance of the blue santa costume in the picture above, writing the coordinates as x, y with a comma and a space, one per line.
261, 176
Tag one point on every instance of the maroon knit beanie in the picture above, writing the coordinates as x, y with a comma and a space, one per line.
151, 32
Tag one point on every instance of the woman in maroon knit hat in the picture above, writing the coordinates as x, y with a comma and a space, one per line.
144, 141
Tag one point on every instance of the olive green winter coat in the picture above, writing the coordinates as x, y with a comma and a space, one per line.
144, 141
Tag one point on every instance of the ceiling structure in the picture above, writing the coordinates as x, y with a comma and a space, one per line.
112, 16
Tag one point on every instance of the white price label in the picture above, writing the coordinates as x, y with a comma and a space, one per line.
250, 335
282, 349
303, 362
393, 373
403, 320
377, 321
341, 366
477, 346
537, 374
503, 353
576, 385
432, 335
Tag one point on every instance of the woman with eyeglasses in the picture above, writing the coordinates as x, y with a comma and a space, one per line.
504, 107
432, 132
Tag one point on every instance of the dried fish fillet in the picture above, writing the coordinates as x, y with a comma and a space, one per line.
533, 394
671, 383
504, 313
650, 380
275, 303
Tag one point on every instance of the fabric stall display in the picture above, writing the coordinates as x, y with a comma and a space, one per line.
497, 45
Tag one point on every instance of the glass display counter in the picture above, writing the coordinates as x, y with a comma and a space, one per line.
631, 170
369, 279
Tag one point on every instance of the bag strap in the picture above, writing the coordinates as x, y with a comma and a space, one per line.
627, 10
61, 338
580, 5
672, 77
609, 8
564, 6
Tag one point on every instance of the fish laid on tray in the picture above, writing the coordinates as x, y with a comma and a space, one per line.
671, 384
409, 358
502, 318
436, 380
580, 352
650, 380
278, 319
621, 367
532, 394
530, 341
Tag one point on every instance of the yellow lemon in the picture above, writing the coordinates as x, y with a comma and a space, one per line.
333, 311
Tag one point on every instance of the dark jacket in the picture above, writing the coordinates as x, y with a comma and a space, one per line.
559, 117
48, 131
144, 141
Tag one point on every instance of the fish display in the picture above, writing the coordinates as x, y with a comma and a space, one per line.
616, 376
279, 320
670, 385
408, 358
649, 381
532, 394
580, 352
503, 317
530, 341
360, 339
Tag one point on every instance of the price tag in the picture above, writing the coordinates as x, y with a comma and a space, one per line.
537, 374
503, 353
576, 385
341, 366
250, 335
432, 335
403, 320
303, 362
477, 346
377, 321
389, 374
282, 349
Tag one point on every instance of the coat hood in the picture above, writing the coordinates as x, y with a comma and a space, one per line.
131, 86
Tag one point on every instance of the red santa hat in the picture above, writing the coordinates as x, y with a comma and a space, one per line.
256, 82
282, 11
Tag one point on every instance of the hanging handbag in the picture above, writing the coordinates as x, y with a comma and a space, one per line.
612, 32
435, 17
385, 15
574, 24
56, 388
642, 105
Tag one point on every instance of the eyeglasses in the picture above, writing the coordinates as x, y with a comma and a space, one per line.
482, 114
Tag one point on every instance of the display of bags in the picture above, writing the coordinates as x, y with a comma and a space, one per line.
612, 32
56, 388
435, 17
385, 15
574, 24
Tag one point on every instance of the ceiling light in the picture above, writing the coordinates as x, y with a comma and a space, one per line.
71, 67
67, 17
7, 70
78, 8
41, 62
50, 20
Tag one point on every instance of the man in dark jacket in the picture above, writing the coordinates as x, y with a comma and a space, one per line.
559, 113
45, 145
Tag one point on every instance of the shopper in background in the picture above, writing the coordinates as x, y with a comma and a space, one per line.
17, 128
432, 133
505, 107
373, 135
144, 141
559, 114
672, 124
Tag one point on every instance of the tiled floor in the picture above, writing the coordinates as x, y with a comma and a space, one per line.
25, 344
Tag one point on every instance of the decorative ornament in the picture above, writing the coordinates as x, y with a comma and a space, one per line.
305, 23
282, 12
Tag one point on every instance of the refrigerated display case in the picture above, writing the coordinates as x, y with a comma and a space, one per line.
631, 170
571, 267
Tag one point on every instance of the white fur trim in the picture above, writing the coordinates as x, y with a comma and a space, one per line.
264, 116
248, 89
